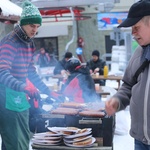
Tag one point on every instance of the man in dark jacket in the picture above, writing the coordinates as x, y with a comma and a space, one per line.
79, 86
60, 66
97, 65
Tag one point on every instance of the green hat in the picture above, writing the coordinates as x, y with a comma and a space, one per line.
30, 14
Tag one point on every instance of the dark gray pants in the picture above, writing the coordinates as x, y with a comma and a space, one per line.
14, 130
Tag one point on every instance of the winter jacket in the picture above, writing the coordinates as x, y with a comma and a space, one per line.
16, 61
43, 60
80, 87
98, 64
137, 94
59, 66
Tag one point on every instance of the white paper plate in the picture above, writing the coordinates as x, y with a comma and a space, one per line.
43, 95
61, 129
47, 144
47, 134
73, 140
46, 141
90, 145
77, 135
39, 137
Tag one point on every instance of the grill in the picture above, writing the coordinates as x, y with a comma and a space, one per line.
102, 128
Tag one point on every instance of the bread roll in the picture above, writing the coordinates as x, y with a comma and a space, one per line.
72, 128
84, 142
50, 132
67, 132
82, 131
79, 138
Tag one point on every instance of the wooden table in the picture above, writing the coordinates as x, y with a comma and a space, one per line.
110, 77
100, 77
102, 92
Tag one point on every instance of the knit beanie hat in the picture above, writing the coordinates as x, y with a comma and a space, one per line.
30, 14
71, 64
96, 53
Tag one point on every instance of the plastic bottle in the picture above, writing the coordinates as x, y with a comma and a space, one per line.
105, 71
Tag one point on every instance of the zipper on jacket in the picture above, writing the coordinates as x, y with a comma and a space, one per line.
145, 109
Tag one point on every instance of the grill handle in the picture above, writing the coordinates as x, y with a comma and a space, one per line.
90, 121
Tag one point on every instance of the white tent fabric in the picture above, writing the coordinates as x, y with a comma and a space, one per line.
9, 8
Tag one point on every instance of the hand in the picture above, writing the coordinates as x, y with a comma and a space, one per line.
96, 70
31, 90
91, 71
63, 72
111, 106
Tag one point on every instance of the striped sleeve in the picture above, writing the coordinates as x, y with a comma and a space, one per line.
36, 80
7, 54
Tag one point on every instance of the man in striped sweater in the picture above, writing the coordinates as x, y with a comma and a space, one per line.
16, 73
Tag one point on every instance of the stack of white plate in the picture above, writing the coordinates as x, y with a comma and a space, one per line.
82, 138
64, 130
47, 138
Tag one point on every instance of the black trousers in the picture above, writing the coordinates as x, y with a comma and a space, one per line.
3, 146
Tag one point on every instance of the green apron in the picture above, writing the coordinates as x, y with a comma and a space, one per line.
16, 101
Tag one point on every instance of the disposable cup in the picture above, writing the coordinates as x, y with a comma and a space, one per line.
97, 74
97, 86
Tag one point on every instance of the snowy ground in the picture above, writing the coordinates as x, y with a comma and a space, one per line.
124, 141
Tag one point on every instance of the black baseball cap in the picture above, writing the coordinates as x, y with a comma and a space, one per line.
136, 12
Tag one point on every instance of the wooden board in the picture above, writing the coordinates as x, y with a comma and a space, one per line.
95, 147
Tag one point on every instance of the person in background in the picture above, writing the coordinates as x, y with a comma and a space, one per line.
17, 71
79, 86
42, 59
60, 66
96, 65
135, 90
